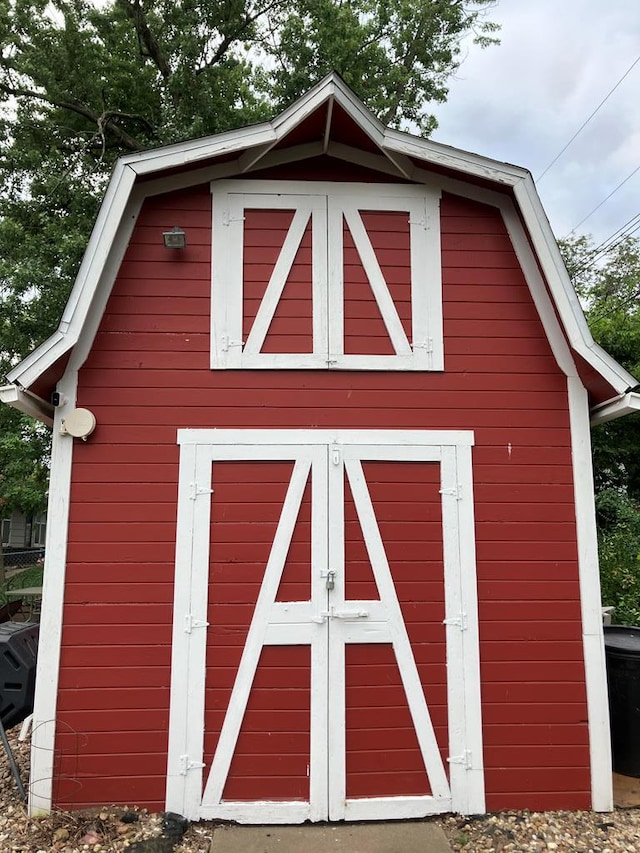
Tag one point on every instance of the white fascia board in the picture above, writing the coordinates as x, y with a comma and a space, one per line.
625, 404
27, 403
102, 237
437, 154
192, 152
262, 136
565, 297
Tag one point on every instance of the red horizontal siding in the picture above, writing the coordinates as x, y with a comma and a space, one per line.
148, 376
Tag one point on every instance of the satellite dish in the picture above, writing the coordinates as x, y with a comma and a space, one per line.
79, 423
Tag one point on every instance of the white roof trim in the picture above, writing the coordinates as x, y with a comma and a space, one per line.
625, 404
565, 297
452, 158
27, 403
122, 197
104, 232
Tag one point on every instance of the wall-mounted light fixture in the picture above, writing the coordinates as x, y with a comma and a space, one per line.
174, 239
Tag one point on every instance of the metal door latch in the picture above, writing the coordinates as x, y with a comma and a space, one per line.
332, 613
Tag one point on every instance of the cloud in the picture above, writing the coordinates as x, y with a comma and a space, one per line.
521, 102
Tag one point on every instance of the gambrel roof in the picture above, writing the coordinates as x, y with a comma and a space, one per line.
328, 121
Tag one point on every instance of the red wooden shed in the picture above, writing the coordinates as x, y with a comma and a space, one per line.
327, 550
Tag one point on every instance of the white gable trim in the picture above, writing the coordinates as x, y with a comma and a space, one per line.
564, 295
624, 404
28, 403
547, 259
113, 224
101, 260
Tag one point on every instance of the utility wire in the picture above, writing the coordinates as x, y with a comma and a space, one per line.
586, 122
598, 206
608, 244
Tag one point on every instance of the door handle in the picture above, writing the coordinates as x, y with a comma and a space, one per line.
349, 614
332, 613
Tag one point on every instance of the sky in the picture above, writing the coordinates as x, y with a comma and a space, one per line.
522, 101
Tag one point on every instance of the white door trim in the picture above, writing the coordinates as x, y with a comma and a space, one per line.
271, 625
329, 206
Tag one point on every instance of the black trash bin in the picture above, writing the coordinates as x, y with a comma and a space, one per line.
18, 652
622, 649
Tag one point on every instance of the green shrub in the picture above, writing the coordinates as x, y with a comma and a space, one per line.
619, 549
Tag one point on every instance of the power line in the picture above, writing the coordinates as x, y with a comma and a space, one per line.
612, 193
586, 122
609, 244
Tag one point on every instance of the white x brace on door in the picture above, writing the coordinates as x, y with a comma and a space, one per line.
325, 465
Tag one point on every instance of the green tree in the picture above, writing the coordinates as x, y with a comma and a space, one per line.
609, 285
81, 84
24, 467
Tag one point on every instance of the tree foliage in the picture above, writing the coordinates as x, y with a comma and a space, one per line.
609, 286
81, 84
610, 290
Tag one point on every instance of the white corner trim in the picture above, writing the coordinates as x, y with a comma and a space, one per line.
47, 667
28, 403
624, 404
589, 575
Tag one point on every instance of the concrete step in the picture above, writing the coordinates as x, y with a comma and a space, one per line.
400, 837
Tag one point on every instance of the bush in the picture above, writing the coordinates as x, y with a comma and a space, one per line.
619, 549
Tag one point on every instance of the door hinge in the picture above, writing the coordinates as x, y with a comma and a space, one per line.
457, 621
186, 764
464, 758
226, 343
227, 219
190, 623
422, 222
197, 490
456, 492
426, 345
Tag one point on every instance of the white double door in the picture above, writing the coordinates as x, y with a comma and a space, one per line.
327, 470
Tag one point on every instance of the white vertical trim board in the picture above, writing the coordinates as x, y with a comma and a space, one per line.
326, 622
589, 574
48, 662
466, 765
188, 647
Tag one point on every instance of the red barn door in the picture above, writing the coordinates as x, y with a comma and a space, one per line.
325, 586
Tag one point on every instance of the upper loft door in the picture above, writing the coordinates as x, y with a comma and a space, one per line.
343, 276
325, 587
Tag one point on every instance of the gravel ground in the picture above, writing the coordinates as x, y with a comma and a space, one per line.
533, 832
113, 829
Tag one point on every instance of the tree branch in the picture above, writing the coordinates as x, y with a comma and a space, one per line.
136, 14
129, 142
228, 40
